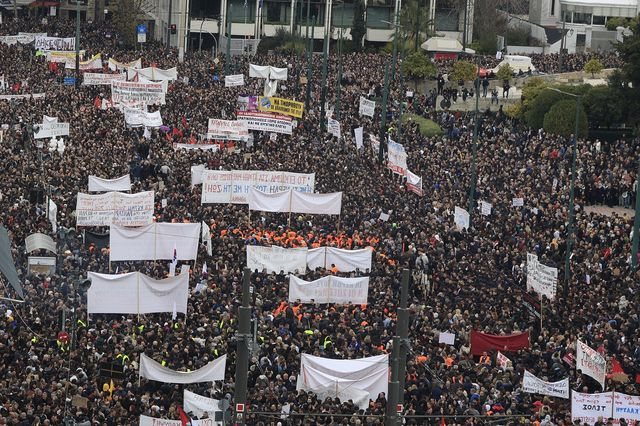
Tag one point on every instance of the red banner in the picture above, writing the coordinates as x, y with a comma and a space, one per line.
481, 342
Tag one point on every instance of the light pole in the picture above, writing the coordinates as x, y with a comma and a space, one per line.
567, 260
77, 44
385, 98
636, 223
338, 88
310, 63
474, 151
227, 60
325, 54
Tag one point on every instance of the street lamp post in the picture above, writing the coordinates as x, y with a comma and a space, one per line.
338, 88
323, 98
474, 152
227, 60
567, 260
385, 97
310, 65
77, 44
636, 223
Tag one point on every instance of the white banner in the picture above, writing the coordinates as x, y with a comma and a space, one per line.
39, 241
153, 73
132, 93
330, 289
123, 66
277, 202
591, 363
96, 184
227, 129
277, 73
291, 201
95, 79
485, 208
461, 218
258, 71
414, 183
93, 63
53, 215
626, 407
276, 259
234, 80
397, 158
196, 174
152, 421
206, 238
199, 405
115, 208
49, 130
345, 377
136, 293
22, 38
367, 107
135, 117
587, 408
531, 384
359, 137
233, 186
541, 278
47, 119
203, 146
25, 96
55, 43
333, 126
343, 260
154, 242
153, 370
517, 202
267, 122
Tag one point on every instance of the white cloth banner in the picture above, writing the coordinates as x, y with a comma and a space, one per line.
267, 122
234, 80
461, 218
153, 370
136, 293
359, 137
206, 238
333, 126
39, 241
152, 421
135, 117
276, 259
25, 96
367, 107
55, 43
123, 66
587, 408
95, 79
259, 71
196, 174
291, 201
153, 73
199, 405
626, 407
132, 93
365, 374
93, 63
270, 88
115, 208
232, 186
50, 130
317, 258
227, 129
344, 260
330, 289
531, 384
397, 158
203, 146
591, 363
154, 242
541, 278
53, 215
96, 184
277, 73
414, 182
47, 119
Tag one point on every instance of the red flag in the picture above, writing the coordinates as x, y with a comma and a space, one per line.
442, 423
97, 102
617, 373
481, 342
183, 416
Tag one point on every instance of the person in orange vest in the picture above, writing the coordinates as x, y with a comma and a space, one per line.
485, 359
334, 269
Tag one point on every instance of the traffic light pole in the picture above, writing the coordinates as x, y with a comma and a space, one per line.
636, 223
243, 338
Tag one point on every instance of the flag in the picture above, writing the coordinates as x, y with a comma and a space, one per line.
503, 361
174, 262
204, 270
183, 416
111, 387
617, 373
481, 342
174, 314
442, 423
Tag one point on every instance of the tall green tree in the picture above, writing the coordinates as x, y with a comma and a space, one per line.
417, 66
127, 14
414, 22
358, 28
626, 81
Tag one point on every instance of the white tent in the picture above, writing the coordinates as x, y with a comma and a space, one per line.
444, 44
516, 62
357, 379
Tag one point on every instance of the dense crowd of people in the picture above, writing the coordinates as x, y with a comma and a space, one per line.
476, 277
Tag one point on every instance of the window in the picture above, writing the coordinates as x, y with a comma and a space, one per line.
376, 15
342, 15
598, 20
238, 13
582, 18
277, 12
553, 7
566, 16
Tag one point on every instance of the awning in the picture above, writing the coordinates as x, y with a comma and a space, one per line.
44, 4
619, 8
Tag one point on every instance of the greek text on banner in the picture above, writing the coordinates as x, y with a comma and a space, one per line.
115, 208
280, 105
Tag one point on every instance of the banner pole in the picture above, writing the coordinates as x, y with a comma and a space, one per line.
540, 313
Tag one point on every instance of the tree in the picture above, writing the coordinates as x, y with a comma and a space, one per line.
627, 80
594, 66
127, 14
463, 70
358, 28
561, 119
505, 72
603, 107
414, 22
417, 67
539, 106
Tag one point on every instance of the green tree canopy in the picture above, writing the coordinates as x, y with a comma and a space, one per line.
561, 119
594, 66
418, 66
463, 70
603, 107
505, 72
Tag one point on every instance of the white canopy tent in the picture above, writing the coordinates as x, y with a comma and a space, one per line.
444, 44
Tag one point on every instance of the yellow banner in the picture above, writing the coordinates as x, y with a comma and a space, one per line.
280, 105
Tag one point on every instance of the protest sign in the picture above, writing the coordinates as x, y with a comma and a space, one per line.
396, 158
485, 208
517, 202
25, 96
367, 107
358, 132
591, 363
247, 103
94, 63
95, 79
276, 259
221, 186
461, 218
626, 407
55, 43
333, 126
281, 106
234, 80
133, 93
122, 66
115, 208
49, 130
414, 183
587, 408
227, 129
267, 122
541, 278
532, 384
135, 117
39, 241
447, 338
